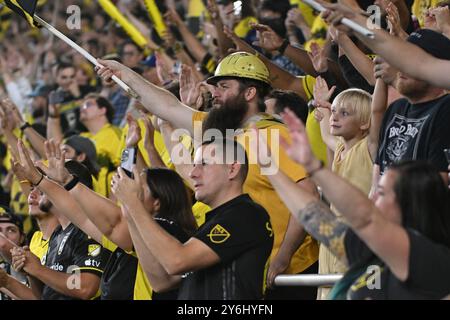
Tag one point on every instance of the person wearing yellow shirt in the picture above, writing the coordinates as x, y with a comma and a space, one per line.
96, 115
241, 80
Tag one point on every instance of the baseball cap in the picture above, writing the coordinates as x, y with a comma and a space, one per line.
86, 146
432, 42
149, 61
7, 216
41, 90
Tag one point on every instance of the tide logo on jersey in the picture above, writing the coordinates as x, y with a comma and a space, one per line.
218, 234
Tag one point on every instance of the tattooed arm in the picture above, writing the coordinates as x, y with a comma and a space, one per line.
325, 227
314, 215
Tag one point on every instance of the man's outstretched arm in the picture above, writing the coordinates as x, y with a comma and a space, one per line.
158, 101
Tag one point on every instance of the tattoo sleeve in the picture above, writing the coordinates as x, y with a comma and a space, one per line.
320, 222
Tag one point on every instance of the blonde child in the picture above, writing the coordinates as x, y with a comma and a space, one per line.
350, 128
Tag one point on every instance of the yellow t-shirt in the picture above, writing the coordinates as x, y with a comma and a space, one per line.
39, 246
106, 142
102, 182
243, 27
318, 33
306, 10
142, 288
261, 191
356, 167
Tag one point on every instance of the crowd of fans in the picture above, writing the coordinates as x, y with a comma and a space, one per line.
110, 195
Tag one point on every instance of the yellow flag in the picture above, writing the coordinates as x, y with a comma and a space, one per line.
129, 28
155, 16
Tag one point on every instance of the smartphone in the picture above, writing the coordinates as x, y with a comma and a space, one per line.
128, 160
56, 97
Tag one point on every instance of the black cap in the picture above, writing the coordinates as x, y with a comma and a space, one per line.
86, 146
7, 216
41, 90
432, 42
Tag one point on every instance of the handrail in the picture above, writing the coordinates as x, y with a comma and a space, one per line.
311, 280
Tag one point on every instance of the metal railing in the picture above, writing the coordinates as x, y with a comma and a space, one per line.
310, 280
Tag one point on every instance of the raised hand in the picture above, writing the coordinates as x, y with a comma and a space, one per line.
300, 148
26, 165
12, 109
110, 68
240, 44
213, 9
394, 22
134, 132
322, 93
267, 38
56, 169
384, 71
294, 18
127, 190
6, 125
442, 16
149, 132
319, 57
173, 17
164, 66
189, 86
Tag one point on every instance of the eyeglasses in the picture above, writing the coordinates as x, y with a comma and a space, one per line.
88, 104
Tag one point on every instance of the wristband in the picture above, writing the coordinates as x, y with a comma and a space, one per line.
72, 183
283, 47
24, 126
40, 180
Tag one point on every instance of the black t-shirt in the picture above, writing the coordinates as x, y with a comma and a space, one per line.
429, 276
415, 132
240, 232
119, 276
70, 250
174, 230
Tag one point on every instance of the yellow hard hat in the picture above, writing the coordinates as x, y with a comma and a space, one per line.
241, 65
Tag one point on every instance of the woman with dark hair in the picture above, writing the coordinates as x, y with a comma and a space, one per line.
164, 197
175, 206
397, 245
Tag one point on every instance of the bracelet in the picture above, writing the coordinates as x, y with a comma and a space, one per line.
24, 181
24, 126
72, 183
320, 167
283, 47
40, 180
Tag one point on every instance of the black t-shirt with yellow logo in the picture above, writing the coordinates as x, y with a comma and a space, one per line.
72, 251
240, 232
428, 276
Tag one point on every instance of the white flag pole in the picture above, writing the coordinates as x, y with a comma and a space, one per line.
84, 53
345, 21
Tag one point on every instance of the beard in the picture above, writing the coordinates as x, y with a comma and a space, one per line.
228, 116
45, 206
